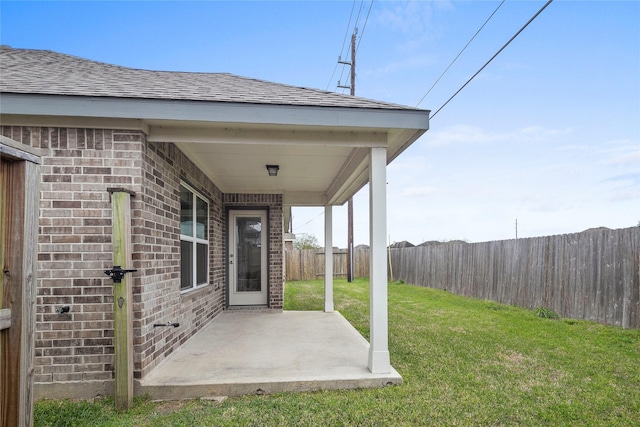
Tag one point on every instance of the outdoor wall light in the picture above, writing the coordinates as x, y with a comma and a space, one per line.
273, 170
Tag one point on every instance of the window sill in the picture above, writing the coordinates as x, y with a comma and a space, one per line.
191, 291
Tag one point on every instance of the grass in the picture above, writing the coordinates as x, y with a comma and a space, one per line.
464, 362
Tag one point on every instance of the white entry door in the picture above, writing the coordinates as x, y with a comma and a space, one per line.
248, 278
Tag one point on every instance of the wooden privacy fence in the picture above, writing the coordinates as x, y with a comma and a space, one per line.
592, 275
308, 264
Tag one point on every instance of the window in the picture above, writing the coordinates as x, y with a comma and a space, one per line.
194, 242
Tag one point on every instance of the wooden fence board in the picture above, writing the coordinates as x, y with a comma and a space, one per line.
308, 264
593, 275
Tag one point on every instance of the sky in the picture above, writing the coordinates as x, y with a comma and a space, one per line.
547, 136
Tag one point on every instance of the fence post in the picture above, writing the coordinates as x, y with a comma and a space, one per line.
122, 298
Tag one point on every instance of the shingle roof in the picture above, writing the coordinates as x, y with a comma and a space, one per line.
43, 72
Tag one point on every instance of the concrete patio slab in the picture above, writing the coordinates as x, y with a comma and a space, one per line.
256, 352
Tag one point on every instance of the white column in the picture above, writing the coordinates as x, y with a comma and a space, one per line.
379, 362
328, 259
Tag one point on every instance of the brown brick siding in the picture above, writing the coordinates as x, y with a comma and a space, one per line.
75, 248
157, 254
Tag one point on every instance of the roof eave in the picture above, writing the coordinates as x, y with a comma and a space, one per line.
206, 111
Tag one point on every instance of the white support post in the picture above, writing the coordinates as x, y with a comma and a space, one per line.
379, 362
328, 259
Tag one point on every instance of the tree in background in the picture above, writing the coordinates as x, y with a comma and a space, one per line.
306, 241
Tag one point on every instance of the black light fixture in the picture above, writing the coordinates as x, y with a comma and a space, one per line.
273, 170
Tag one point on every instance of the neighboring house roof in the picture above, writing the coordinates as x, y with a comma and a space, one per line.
44, 72
403, 244
229, 126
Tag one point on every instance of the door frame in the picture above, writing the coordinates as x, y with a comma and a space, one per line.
228, 212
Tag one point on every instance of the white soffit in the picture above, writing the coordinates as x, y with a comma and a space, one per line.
315, 163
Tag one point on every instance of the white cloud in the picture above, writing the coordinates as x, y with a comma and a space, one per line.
539, 133
465, 134
409, 18
625, 187
413, 19
629, 177
622, 153
629, 159
407, 164
624, 195
458, 134
547, 206
412, 63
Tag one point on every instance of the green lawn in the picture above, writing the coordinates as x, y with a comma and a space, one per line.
464, 362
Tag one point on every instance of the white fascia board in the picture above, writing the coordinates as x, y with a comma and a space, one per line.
220, 112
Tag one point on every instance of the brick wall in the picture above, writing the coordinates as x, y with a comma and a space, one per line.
74, 246
157, 255
74, 249
276, 242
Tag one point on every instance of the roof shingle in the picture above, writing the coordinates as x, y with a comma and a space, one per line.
43, 72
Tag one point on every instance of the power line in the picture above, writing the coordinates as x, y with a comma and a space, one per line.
359, 12
344, 41
355, 31
332, 74
346, 32
493, 57
313, 219
345, 36
460, 53
365, 25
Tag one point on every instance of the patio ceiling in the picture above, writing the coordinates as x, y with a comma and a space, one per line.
317, 165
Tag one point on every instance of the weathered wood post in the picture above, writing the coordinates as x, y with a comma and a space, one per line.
19, 201
122, 298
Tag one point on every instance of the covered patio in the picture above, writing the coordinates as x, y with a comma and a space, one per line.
255, 352
324, 148
216, 150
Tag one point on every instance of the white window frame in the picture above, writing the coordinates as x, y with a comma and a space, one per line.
195, 240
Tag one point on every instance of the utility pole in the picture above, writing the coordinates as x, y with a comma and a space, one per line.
352, 64
350, 202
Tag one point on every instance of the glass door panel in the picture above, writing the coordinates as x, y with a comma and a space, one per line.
249, 268
247, 258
